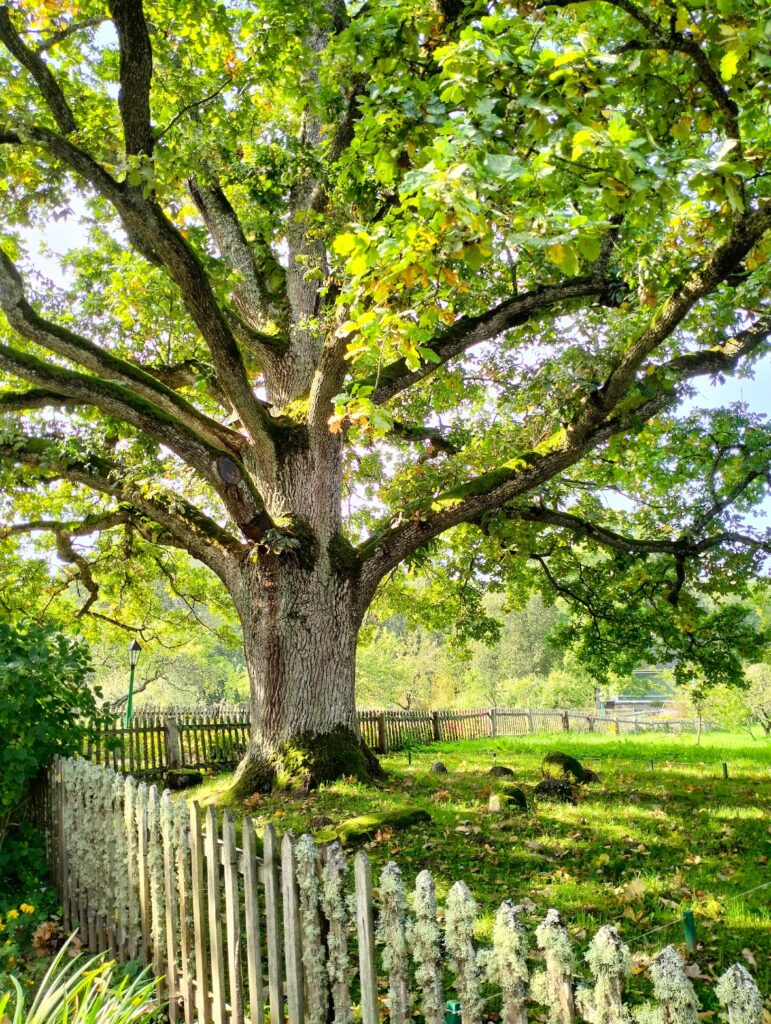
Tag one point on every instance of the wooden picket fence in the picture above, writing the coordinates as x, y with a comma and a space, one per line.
217, 737
268, 930
176, 738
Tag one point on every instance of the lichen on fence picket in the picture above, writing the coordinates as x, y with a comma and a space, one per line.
556, 990
673, 989
609, 961
335, 905
115, 846
425, 939
391, 932
508, 962
737, 992
459, 921
310, 923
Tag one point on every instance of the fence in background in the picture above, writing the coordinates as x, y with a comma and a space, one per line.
395, 729
179, 738
267, 930
217, 737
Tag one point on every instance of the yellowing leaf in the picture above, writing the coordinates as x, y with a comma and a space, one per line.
358, 264
567, 58
344, 243
565, 258
682, 19
582, 140
729, 65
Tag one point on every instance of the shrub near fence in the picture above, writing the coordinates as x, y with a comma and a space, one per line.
299, 934
218, 736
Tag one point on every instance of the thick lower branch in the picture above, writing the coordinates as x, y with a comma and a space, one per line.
189, 528
55, 338
391, 544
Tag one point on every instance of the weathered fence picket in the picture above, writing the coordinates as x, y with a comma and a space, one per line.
218, 737
215, 922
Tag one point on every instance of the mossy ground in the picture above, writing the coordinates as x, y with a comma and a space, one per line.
640, 847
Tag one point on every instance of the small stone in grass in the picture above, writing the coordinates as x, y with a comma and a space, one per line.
182, 778
512, 796
555, 789
439, 768
500, 771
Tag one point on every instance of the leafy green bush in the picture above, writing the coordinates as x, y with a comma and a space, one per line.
46, 708
82, 992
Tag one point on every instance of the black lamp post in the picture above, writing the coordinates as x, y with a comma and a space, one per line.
133, 651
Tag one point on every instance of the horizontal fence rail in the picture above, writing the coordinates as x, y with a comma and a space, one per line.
261, 930
217, 737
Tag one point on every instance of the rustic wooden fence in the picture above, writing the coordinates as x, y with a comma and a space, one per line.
218, 736
176, 738
263, 929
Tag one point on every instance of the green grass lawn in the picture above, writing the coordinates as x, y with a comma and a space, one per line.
639, 848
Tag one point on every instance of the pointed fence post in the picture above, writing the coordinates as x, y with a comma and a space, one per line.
425, 938
552, 938
609, 961
391, 933
509, 962
140, 808
737, 992
293, 950
365, 931
212, 848
232, 917
252, 916
678, 1002
312, 942
155, 872
334, 903
459, 920
198, 893
170, 902
182, 846
270, 857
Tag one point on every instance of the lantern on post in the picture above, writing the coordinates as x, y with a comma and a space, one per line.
133, 651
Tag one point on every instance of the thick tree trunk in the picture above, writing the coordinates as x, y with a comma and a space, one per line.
300, 621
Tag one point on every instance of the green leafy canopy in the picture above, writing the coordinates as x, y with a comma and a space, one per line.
453, 266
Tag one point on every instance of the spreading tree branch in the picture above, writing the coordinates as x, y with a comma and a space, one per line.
685, 546
179, 519
473, 330
32, 398
156, 238
393, 542
146, 385
117, 401
254, 298
64, 33
136, 73
49, 88
437, 439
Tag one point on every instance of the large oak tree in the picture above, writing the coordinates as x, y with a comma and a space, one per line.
360, 285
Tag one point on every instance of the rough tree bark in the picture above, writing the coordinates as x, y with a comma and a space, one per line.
300, 617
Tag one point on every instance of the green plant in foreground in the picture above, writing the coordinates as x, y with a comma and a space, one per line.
81, 992
47, 708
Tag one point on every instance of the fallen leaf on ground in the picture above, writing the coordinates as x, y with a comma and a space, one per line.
749, 956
